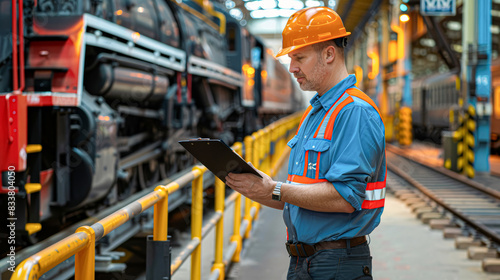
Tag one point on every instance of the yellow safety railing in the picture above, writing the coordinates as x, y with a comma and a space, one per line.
265, 149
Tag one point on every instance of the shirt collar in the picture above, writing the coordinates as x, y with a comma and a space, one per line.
326, 100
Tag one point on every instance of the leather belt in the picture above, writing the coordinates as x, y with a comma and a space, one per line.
306, 250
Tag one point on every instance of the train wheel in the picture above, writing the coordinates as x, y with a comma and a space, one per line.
149, 173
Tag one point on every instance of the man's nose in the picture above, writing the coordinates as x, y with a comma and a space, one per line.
293, 68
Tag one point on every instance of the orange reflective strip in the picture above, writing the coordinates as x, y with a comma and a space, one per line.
304, 180
317, 166
331, 122
378, 185
372, 204
375, 186
306, 163
361, 95
303, 117
319, 127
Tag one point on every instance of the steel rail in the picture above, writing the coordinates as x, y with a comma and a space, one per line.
492, 235
446, 172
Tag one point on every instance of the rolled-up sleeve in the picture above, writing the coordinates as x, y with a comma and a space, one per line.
358, 143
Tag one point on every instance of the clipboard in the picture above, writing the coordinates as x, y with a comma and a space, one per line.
218, 157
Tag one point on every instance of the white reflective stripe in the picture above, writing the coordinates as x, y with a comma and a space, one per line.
322, 129
375, 194
294, 183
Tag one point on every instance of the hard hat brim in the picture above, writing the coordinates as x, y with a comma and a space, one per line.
288, 50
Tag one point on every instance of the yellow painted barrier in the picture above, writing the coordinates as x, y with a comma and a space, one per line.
250, 155
197, 220
81, 244
236, 238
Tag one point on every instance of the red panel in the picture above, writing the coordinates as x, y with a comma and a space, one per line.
59, 54
13, 128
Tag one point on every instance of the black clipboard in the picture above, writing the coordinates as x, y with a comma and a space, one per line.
218, 157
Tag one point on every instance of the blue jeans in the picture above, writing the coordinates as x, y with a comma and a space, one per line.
349, 264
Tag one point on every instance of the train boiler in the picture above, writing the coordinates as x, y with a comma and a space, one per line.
94, 96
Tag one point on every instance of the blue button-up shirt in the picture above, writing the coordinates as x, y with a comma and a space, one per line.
354, 156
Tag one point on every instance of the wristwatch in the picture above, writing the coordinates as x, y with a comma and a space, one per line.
277, 192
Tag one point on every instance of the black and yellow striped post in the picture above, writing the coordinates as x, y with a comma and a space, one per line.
458, 137
396, 122
405, 134
469, 141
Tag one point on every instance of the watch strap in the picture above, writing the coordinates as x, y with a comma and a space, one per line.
276, 195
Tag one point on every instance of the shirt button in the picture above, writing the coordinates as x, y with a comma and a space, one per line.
305, 136
297, 163
314, 146
286, 207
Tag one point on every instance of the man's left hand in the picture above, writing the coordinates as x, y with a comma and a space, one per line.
252, 186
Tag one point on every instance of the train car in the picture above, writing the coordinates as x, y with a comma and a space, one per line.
94, 96
495, 104
435, 96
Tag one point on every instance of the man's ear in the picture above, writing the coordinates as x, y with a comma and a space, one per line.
329, 54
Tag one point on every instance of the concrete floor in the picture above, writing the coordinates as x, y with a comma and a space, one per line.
402, 248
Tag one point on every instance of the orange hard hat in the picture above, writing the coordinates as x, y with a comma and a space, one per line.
310, 26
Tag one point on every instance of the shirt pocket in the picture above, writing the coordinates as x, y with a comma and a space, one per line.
315, 150
293, 141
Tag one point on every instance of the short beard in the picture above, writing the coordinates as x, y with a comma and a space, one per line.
314, 79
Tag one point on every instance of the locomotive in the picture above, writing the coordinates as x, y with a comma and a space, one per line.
94, 96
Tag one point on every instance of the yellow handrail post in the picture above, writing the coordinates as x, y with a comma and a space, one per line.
263, 149
258, 158
160, 216
267, 153
249, 152
236, 237
197, 220
219, 228
85, 258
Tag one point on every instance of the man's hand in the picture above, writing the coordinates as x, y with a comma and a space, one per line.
251, 186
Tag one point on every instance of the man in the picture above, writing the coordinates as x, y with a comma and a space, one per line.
334, 194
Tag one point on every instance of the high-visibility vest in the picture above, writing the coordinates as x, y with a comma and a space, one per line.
375, 189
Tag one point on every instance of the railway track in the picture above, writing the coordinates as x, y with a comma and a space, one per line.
473, 207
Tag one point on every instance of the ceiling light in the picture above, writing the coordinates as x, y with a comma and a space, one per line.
427, 42
236, 13
252, 6
291, 4
230, 4
286, 13
404, 18
313, 3
495, 29
454, 25
268, 4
